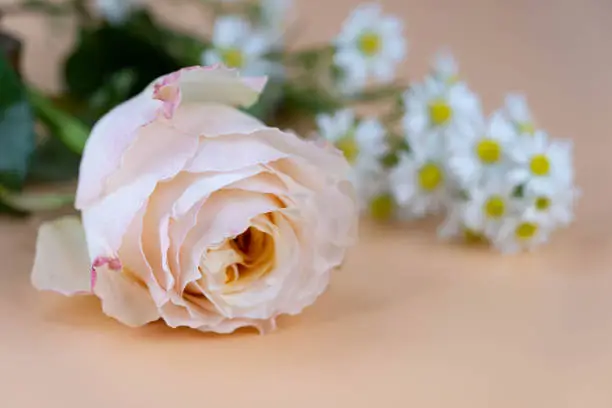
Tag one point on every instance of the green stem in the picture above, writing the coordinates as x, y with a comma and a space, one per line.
68, 129
34, 202
379, 93
304, 56
37, 6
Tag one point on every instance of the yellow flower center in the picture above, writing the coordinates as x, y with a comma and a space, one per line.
382, 207
542, 203
233, 58
439, 112
430, 177
540, 165
473, 237
348, 146
489, 151
495, 207
370, 44
526, 128
526, 230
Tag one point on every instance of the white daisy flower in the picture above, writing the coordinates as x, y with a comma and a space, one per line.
553, 208
455, 227
520, 233
364, 144
488, 206
435, 105
359, 140
479, 151
237, 45
116, 11
445, 68
542, 165
518, 112
369, 45
274, 15
371, 182
419, 182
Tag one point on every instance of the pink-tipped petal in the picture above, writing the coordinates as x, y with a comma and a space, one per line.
215, 84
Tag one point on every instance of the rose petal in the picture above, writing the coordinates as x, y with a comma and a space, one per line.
109, 138
215, 84
124, 298
214, 120
61, 263
132, 257
159, 152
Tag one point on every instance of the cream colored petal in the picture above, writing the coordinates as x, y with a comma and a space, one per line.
124, 298
107, 221
159, 153
61, 263
133, 258
109, 139
329, 161
265, 146
207, 84
205, 184
244, 150
214, 120
270, 183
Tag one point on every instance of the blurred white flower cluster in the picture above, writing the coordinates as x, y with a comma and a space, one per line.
117, 11
244, 43
496, 179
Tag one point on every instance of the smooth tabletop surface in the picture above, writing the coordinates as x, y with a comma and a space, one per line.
409, 321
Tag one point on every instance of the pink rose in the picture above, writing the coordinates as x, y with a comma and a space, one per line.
199, 214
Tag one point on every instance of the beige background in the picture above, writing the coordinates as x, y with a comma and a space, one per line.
410, 322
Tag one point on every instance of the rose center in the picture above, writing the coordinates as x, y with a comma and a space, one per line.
440, 112
539, 165
255, 249
488, 151
430, 177
370, 44
233, 58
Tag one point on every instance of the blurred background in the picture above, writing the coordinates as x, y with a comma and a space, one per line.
446, 326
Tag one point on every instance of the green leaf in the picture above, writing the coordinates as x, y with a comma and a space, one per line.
308, 100
104, 51
519, 191
33, 202
269, 102
16, 128
71, 131
52, 161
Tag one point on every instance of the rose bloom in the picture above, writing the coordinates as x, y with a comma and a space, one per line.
199, 214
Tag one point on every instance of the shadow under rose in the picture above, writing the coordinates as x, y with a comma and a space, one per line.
79, 311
